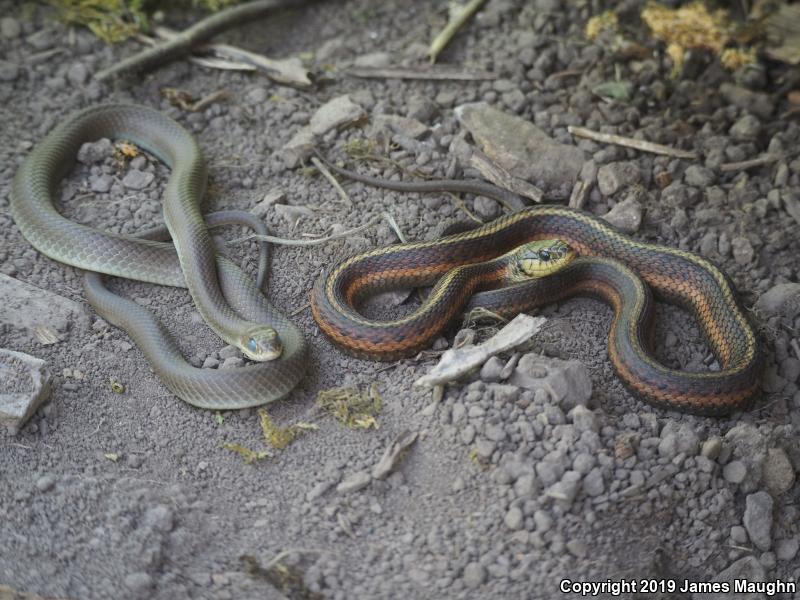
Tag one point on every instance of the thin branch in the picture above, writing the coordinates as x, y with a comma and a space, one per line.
610, 138
334, 182
316, 241
455, 22
434, 73
288, 71
198, 33
749, 164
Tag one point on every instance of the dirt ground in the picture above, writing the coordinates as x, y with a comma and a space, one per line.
506, 492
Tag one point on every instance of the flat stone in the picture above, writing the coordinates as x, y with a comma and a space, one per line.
567, 381
269, 200
758, 519
407, 126
24, 386
355, 482
299, 148
9, 71
10, 28
778, 473
373, 60
137, 180
626, 216
617, 175
474, 575
336, 114
781, 299
44, 315
510, 142
757, 103
747, 568
92, 152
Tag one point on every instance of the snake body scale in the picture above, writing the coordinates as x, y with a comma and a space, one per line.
226, 298
611, 267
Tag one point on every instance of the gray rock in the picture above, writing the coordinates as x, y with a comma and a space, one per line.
543, 521
137, 180
514, 518
738, 534
593, 483
491, 369
495, 433
93, 152
9, 71
373, 60
617, 175
757, 103
743, 251
25, 383
299, 148
354, 482
486, 208
778, 473
747, 568
269, 200
566, 381
138, 583
734, 472
210, 362
790, 368
746, 129
687, 440
712, 447
668, 446
160, 518
44, 315
583, 418
229, 351
510, 141
10, 28
758, 519
564, 491
786, 549
336, 114
256, 95
626, 216
232, 362
781, 299
405, 126
474, 575
78, 74
45, 483
699, 176
749, 446
577, 548
101, 183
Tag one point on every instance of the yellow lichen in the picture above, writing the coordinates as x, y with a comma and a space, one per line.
281, 437
690, 27
351, 406
606, 21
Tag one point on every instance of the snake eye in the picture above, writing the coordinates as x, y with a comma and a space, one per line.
544, 255
252, 345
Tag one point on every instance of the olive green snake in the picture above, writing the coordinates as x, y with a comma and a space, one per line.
225, 296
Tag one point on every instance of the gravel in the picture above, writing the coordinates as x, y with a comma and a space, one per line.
522, 474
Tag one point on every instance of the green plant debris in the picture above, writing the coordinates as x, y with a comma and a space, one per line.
281, 437
110, 20
354, 408
116, 386
693, 26
359, 148
249, 456
219, 418
606, 21
112, 456
117, 20
614, 90
288, 579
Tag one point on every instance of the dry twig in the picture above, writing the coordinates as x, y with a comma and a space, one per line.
760, 161
186, 40
459, 15
610, 138
334, 182
434, 73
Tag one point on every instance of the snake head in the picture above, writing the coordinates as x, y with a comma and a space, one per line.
538, 259
261, 344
